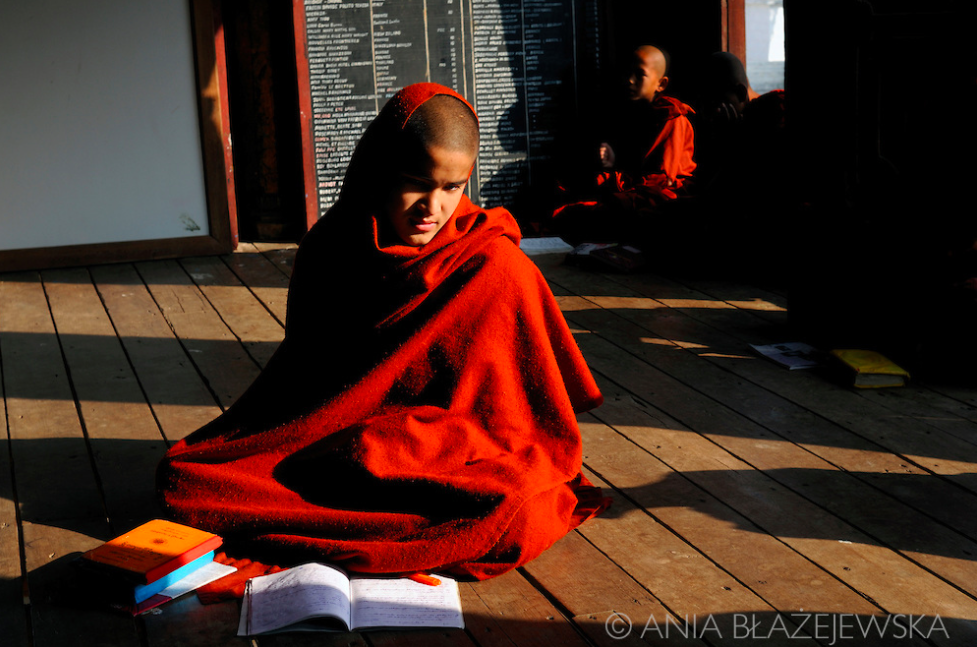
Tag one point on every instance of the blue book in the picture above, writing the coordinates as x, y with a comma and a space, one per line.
146, 591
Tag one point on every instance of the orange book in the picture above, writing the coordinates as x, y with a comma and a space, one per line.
152, 550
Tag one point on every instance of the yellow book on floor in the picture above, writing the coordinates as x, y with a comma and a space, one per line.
870, 370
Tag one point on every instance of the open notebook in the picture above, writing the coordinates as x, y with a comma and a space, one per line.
317, 597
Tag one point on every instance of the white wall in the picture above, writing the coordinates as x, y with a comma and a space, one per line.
99, 133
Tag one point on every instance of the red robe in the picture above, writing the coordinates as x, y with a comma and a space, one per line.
419, 415
653, 146
654, 153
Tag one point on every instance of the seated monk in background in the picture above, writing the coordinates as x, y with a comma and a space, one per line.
742, 206
740, 132
644, 161
420, 413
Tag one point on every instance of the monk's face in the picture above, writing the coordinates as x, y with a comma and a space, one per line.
646, 80
427, 193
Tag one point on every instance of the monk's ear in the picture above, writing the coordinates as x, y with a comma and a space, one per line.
662, 83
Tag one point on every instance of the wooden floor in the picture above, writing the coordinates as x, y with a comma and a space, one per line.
752, 505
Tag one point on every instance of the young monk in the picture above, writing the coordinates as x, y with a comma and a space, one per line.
645, 160
740, 132
743, 196
419, 414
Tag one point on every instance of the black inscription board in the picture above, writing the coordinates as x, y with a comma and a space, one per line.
519, 62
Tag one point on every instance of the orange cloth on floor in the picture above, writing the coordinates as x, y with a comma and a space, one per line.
419, 415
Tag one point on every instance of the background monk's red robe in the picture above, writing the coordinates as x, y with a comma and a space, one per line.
419, 415
653, 145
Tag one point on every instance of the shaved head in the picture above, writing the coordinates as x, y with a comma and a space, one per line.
648, 73
653, 57
444, 122
725, 71
436, 124
724, 80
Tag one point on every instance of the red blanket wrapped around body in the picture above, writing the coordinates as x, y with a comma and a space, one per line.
419, 415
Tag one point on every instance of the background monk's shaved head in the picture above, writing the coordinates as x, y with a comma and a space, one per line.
649, 65
444, 122
725, 71
656, 58
723, 81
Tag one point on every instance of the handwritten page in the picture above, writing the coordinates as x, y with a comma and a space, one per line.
404, 603
285, 598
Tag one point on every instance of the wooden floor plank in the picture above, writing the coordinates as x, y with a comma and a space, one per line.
219, 356
241, 311
268, 283
914, 440
813, 519
281, 256
508, 610
818, 437
61, 507
731, 303
777, 573
62, 609
749, 325
673, 307
940, 402
177, 393
925, 404
764, 304
271, 247
734, 292
421, 638
917, 402
846, 406
123, 436
52, 469
963, 393
780, 575
686, 582
13, 611
187, 623
608, 605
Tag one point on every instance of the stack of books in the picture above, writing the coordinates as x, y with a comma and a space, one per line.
152, 564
